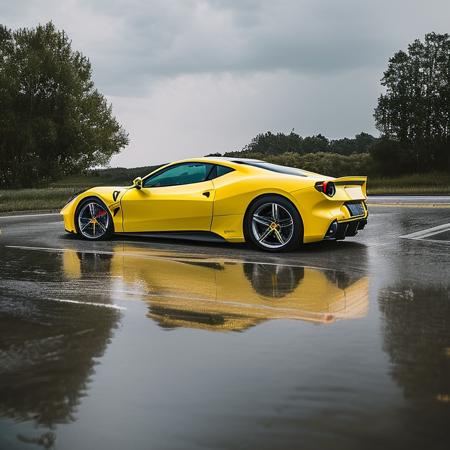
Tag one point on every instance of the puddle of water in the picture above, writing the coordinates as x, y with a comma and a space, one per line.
216, 353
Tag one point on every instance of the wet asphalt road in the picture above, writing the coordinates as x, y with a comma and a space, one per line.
174, 345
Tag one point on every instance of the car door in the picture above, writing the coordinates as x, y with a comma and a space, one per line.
177, 198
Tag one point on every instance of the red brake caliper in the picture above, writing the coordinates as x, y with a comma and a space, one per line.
101, 213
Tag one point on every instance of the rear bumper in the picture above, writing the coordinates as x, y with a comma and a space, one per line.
320, 212
341, 230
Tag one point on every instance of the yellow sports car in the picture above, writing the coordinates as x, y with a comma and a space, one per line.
273, 207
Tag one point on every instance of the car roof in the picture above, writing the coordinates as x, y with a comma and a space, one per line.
218, 160
226, 158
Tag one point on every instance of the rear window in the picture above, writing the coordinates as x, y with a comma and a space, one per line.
274, 168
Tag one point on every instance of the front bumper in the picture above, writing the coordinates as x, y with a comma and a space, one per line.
68, 213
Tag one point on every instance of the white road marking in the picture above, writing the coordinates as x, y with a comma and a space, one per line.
437, 241
29, 215
102, 305
428, 232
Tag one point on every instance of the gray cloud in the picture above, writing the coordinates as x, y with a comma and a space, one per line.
133, 41
154, 39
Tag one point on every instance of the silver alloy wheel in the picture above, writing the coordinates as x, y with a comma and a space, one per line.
272, 225
93, 220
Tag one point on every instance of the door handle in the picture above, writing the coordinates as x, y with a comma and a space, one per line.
206, 194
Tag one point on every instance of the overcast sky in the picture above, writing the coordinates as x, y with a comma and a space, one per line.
191, 77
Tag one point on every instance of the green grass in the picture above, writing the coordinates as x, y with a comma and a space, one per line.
55, 196
419, 184
35, 199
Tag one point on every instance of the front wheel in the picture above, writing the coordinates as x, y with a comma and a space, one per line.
93, 221
273, 224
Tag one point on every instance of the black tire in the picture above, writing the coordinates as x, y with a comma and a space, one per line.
280, 239
106, 225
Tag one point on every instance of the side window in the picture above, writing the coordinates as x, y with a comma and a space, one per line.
218, 171
185, 173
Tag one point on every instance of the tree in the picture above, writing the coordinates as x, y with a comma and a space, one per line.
267, 144
361, 143
52, 119
318, 143
415, 110
390, 158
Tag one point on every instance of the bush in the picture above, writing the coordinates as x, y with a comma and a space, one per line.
331, 164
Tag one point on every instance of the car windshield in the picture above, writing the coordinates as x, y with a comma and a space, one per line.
274, 168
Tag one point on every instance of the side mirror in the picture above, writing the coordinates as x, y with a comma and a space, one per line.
137, 183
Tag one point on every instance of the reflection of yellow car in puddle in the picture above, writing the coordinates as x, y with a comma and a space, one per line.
228, 295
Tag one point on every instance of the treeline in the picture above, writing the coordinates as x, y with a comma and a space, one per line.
317, 153
276, 144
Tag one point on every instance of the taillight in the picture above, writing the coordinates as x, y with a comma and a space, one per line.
326, 187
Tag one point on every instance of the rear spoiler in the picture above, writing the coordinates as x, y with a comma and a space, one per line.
352, 181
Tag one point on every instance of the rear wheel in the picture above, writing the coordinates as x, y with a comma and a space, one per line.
93, 221
273, 224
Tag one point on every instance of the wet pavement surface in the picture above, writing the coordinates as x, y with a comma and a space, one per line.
171, 345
